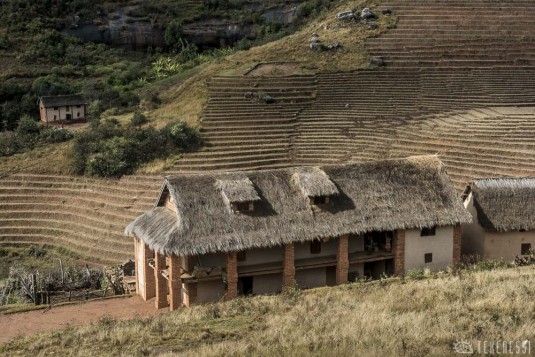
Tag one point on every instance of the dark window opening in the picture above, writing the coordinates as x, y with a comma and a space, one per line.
245, 285
315, 247
67, 109
241, 256
525, 248
79, 114
428, 257
78, 106
319, 200
243, 206
55, 117
427, 232
56, 108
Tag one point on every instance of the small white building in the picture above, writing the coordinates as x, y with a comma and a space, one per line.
503, 211
63, 108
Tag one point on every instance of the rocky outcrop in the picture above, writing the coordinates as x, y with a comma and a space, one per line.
120, 29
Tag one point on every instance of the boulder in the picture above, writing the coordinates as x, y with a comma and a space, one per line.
266, 98
345, 15
367, 13
377, 61
386, 12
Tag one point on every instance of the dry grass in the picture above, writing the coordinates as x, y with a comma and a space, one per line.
391, 318
52, 159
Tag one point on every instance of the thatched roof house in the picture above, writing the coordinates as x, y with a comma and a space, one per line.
505, 204
378, 196
504, 217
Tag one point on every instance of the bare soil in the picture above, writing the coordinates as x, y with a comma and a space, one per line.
33, 322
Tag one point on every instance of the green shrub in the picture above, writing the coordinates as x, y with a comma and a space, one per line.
110, 150
10, 143
27, 127
415, 274
138, 119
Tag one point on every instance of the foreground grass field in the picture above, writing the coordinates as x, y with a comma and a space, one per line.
388, 318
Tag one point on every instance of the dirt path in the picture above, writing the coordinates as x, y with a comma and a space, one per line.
33, 322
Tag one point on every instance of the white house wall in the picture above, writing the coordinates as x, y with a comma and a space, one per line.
506, 245
440, 245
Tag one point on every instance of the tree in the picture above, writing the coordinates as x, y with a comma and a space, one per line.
174, 36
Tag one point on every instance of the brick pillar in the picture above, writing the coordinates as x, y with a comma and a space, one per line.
175, 283
288, 267
232, 276
161, 283
190, 290
342, 260
149, 283
457, 244
136, 264
399, 252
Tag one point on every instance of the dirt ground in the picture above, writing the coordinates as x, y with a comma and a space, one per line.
33, 322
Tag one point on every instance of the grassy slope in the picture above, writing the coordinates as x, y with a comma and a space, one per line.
185, 99
413, 318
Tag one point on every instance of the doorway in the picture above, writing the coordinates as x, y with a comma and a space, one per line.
245, 285
68, 117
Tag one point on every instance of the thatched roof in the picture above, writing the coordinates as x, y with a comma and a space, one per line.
375, 196
313, 182
505, 204
240, 189
63, 100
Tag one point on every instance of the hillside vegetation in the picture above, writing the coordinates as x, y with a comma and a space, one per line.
386, 318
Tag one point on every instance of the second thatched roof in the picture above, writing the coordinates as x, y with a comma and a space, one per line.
505, 204
376, 196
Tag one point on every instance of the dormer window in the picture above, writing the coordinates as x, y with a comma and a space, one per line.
239, 194
319, 200
238, 207
315, 185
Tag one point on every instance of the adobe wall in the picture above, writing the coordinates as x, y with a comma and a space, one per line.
473, 235
311, 278
208, 291
506, 245
440, 245
267, 284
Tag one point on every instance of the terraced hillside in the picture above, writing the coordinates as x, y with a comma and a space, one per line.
459, 81
449, 33
85, 216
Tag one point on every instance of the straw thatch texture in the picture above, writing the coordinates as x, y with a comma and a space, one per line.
505, 204
238, 190
376, 196
313, 182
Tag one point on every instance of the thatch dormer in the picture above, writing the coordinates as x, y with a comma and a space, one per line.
240, 194
315, 185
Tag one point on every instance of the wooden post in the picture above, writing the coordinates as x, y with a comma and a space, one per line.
342, 260
288, 268
399, 252
232, 276
161, 283
175, 283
